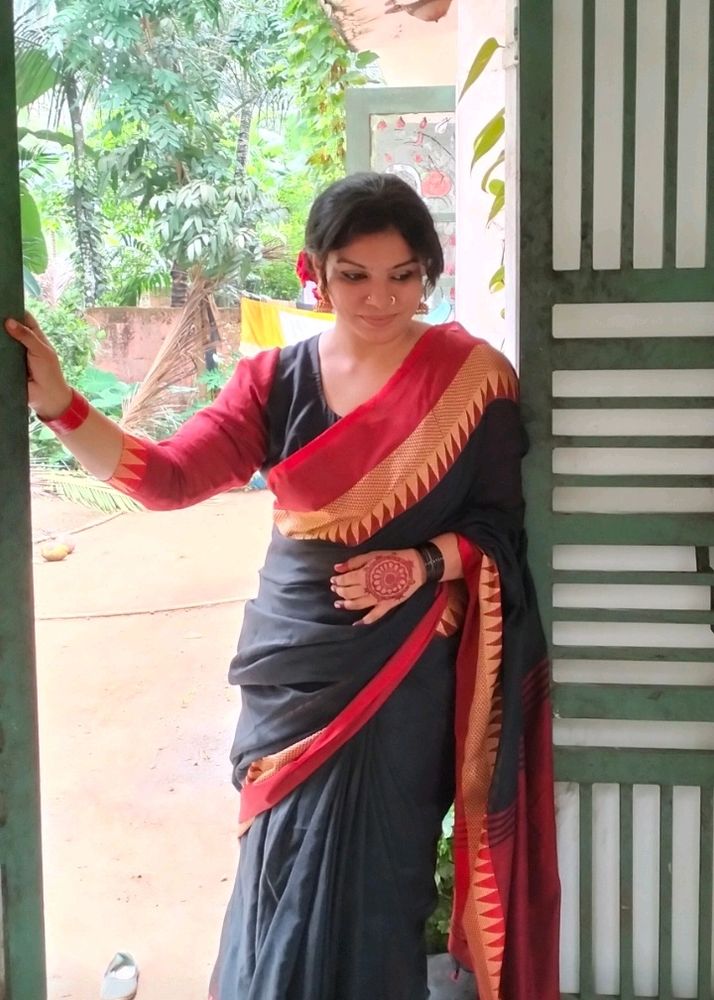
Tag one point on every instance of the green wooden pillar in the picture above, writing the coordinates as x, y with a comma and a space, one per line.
22, 959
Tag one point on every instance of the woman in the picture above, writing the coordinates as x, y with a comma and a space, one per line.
394, 642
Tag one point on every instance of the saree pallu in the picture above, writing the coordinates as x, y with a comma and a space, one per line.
352, 742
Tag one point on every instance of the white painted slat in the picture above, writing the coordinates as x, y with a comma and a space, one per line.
608, 138
567, 133
633, 319
692, 122
649, 134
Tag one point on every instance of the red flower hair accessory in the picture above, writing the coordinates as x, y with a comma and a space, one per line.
303, 268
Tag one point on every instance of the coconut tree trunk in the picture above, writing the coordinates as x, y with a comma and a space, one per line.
88, 253
243, 140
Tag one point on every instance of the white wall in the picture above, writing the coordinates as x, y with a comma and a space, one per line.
412, 53
479, 249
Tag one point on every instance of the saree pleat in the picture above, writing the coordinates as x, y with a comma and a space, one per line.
335, 882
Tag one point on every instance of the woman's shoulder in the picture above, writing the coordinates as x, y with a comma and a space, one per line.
455, 336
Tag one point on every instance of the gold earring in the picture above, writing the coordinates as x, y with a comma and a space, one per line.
422, 308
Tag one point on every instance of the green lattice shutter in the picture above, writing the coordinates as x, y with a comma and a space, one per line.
616, 302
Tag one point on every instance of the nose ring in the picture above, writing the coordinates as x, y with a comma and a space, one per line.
392, 299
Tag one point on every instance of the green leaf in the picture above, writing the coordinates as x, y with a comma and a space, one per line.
35, 74
84, 490
366, 59
483, 58
498, 202
34, 248
497, 163
30, 282
498, 280
47, 135
497, 187
489, 136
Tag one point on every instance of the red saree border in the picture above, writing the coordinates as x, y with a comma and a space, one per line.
505, 915
329, 461
387, 488
478, 929
259, 796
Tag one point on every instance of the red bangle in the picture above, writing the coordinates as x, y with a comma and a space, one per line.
71, 418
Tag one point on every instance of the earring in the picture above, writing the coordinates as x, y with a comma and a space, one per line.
422, 308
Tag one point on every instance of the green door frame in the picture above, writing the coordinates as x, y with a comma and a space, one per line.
22, 956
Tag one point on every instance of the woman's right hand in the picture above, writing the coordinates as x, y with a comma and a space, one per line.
48, 393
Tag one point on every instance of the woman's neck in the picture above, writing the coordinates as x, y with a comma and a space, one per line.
345, 342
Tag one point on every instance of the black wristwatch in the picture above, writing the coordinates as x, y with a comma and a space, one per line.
433, 560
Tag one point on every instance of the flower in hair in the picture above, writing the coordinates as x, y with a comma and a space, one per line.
303, 268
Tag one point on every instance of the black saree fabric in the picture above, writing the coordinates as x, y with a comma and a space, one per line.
335, 881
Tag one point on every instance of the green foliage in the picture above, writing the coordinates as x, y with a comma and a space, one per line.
166, 164
34, 248
211, 224
490, 137
35, 74
167, 93
78, 487
280, 166
72, 337
481, 61
104, 391
277, 280
322, 66
75, 342
437, 927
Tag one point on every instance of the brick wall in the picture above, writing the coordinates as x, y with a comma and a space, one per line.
133, 337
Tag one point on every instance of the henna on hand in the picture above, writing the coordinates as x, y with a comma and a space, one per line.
389, 577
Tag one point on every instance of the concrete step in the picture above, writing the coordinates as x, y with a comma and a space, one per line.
443, 986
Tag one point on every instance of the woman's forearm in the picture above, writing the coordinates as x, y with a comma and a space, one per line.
96, 444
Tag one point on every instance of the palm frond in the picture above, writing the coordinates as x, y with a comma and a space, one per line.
175, 363
274, 248
77, 487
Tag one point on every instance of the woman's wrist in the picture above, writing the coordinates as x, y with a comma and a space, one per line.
433, 560
73, 415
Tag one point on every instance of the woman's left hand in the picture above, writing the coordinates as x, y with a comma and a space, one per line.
378, 581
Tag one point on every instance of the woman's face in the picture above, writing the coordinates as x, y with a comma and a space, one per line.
375, 284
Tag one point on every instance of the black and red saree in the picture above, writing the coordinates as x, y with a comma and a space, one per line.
352, 743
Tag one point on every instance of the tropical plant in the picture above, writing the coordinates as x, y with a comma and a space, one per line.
437, 926
156, 399
104, 391
78, 487
489, 140
322, 65
74, 339
35, 75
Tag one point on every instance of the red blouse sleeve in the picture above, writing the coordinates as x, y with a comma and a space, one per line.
217, 449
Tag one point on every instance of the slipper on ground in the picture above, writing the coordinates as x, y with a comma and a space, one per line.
121, 980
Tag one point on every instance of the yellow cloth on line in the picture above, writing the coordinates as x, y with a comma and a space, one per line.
276, 324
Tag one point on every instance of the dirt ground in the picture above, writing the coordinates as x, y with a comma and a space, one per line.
135, 630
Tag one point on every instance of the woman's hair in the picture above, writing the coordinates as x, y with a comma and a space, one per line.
367, 203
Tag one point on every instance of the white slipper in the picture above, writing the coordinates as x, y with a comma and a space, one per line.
121, 980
